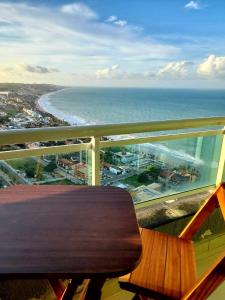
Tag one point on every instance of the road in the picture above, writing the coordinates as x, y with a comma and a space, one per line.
13, 172
62, 172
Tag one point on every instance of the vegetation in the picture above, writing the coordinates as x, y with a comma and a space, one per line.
133, 180
50, 167
153, 172
4, 119
27, 165
143, 177
107, 157
63, 181
149, 175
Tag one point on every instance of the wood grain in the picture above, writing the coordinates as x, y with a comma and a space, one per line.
160, 274
168, 270
67, 231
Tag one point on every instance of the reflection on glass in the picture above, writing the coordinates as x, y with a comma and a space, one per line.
153, 170
66, 169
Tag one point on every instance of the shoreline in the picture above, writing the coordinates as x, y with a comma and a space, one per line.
44, 105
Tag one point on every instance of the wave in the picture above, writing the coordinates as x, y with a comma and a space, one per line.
46, 105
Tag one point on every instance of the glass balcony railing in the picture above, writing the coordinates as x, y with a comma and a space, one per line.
155, 170
151, 160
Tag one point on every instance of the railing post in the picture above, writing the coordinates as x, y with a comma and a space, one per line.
95, 157
221, 165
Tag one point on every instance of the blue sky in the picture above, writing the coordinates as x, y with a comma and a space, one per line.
160, 43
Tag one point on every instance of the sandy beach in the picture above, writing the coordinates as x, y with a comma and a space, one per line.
45, 105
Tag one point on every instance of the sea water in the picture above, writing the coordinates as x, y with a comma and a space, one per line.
86, 106
121, 105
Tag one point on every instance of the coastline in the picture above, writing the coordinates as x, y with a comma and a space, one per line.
44, 105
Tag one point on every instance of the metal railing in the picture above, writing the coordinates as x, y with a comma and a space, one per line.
206, 126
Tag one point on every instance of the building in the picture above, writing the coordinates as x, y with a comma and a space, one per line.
125, 157
144, 193
81, 171
115, 170
4, 94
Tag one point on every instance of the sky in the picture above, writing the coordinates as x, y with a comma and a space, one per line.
127, 43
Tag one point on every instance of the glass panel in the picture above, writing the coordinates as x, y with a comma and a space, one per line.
153, 170
66, 169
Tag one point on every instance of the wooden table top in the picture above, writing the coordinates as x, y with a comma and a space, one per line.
67, 231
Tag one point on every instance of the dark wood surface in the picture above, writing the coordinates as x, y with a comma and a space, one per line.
67, 231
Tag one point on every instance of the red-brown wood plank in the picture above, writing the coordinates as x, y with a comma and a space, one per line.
139, 276
188, 266
167, 267
172, 281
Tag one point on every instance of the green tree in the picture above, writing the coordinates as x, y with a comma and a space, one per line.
153, 172
29, 170
143, 177
50, 167
108, 157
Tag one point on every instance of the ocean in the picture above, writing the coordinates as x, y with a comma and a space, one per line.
121, 105
87, 106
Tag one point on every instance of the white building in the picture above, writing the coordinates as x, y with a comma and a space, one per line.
125, 157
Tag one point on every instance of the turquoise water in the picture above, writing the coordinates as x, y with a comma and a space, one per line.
119, 105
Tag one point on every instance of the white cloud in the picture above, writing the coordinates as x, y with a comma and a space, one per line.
111, 19
212, 67
107, 72
116, 21
79, 9
121, 23
70, 45
175, 70
193, 5
60, 36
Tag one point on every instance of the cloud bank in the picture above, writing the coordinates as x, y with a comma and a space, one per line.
38, 41
212, 67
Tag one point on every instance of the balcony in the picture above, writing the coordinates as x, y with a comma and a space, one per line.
169, 167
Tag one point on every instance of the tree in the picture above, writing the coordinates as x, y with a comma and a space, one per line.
153, 172
143, 177
108, 157
50, 167
29, 170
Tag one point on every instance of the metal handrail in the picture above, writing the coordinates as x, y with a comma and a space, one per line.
95, 132
16, 136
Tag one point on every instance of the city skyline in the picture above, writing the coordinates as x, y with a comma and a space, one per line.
124, 43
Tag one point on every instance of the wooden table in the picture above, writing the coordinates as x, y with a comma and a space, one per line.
67, 232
